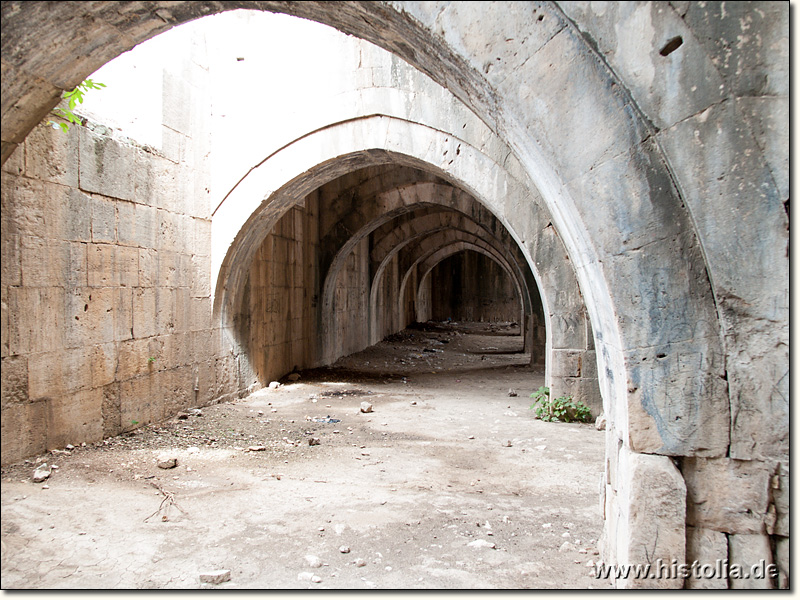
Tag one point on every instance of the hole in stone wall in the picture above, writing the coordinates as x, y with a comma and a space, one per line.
671, 46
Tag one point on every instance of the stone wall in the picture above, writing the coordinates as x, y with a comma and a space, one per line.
106, 290
471, 287
282, 290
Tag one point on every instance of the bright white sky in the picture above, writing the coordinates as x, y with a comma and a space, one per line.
287, 62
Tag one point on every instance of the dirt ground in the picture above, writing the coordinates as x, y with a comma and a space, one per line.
450, 483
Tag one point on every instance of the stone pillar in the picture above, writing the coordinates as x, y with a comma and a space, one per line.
646, 512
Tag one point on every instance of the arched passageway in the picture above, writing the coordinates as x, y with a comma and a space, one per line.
664, 153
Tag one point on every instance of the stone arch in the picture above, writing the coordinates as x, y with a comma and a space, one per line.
427, 264
441, 239
617, 128
243, 219
394, 239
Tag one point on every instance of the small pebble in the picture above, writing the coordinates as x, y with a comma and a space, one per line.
315, 562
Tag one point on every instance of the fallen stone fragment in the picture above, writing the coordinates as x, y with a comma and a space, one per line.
274, 385
600, 422
316, 579
507, 444
360, 562
216, 577
315, 562
167, 462
293, 377
313, 441
70, 447
366, 407
195, 412
344, 549
256, 448
512, 393
305, 576
41, 473
482, 544
566, 547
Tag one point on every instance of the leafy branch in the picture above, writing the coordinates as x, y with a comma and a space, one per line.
73, 98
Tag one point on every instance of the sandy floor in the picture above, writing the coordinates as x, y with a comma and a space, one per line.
448, 483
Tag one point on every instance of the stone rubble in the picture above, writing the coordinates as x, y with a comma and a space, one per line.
41, 473
216, 577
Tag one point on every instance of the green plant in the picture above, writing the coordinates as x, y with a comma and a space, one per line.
73, 97
563, 408
151, 360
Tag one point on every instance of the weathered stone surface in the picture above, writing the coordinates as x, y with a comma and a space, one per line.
366, 407
780, 496
631, 36
76, 416
216, 577
24, 428
706, 547
14, 377
41, 473
53, 156
782, 559
727, 495
659, 423
654, 497
166, 461
753, 553
753, 301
